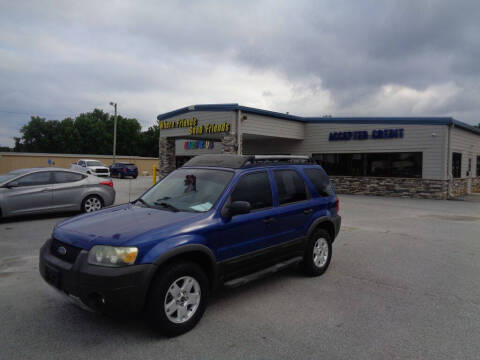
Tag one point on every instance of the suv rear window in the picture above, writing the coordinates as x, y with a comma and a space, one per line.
254, 188
320, 181
290, 186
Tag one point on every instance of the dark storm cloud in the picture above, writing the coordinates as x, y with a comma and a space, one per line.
309, 57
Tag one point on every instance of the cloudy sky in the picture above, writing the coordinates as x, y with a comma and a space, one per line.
350, 58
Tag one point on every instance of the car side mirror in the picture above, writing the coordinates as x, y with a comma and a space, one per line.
11, 185
238, 208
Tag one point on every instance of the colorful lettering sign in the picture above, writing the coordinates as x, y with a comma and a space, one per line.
200, 144
364, 135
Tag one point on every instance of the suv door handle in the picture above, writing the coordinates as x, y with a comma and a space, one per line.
308, 211
269, 220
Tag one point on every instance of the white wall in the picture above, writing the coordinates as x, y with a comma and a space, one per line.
268, 126
468, 144
428, 139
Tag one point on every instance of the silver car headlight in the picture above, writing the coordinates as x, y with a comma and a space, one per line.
113, 256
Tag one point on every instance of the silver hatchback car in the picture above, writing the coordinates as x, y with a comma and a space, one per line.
45, 190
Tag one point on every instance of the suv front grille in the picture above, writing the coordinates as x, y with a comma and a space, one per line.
104, 171
69, 254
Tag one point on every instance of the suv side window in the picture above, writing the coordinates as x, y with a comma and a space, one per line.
290, 186
39, 178
254, 188
66, 177
320, 181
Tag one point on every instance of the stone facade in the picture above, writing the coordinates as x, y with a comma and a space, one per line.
460, 186
401, 187
166, 161
229, 143
476, 185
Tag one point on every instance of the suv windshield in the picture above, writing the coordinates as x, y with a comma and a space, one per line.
94, 163
188, 190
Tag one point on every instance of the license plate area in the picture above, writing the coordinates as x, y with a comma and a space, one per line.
52, 276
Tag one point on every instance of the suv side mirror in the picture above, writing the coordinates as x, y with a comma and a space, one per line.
238, 207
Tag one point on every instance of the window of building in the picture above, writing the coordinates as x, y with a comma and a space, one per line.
456, 165
478, 165
402, 164
290, 186
254, 188
320, 181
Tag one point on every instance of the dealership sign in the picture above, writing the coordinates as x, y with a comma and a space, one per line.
364, 135
194, 128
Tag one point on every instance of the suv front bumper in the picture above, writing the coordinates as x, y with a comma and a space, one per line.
100, 288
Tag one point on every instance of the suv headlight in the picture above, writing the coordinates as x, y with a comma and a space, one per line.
112, 255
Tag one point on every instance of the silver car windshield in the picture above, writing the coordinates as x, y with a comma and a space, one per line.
194, 190
6, 177
94, 163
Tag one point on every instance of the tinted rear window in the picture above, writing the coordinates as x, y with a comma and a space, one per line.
290, 186
66, 177
321, 181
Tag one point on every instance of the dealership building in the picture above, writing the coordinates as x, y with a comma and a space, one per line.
427, 157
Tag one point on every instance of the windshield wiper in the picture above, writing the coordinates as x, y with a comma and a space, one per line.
166, 205
142, 201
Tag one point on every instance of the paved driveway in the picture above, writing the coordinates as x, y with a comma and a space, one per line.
404, 283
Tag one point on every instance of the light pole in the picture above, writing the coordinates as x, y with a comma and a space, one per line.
114, 131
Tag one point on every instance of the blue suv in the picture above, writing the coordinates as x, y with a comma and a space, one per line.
124, 169
218, 220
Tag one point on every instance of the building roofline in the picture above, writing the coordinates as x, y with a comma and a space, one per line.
326, 120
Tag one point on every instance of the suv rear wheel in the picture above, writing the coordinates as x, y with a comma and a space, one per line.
318, 253
177, 299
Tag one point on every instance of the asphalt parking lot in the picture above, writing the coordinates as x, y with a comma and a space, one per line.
404, 283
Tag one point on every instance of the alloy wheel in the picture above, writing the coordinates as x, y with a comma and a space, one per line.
92, 204
182, 299
320, 252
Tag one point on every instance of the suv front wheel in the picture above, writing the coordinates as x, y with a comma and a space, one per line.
318, 253
177, 298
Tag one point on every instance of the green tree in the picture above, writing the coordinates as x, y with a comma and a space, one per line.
88, 133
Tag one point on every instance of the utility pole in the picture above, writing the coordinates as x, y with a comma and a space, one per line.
114, 131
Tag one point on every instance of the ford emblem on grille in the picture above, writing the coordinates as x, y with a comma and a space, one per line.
61, 250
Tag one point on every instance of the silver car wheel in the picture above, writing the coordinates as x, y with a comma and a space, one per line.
182, 299
320, 252
92, 204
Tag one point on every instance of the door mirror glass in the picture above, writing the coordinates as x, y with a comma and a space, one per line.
238, 207
13, 184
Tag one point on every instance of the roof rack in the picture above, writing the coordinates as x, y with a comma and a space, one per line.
242, 161
277, 159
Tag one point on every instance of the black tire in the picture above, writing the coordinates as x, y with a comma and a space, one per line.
312, 267
122, 176
159, 295
135, 176
91, 199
